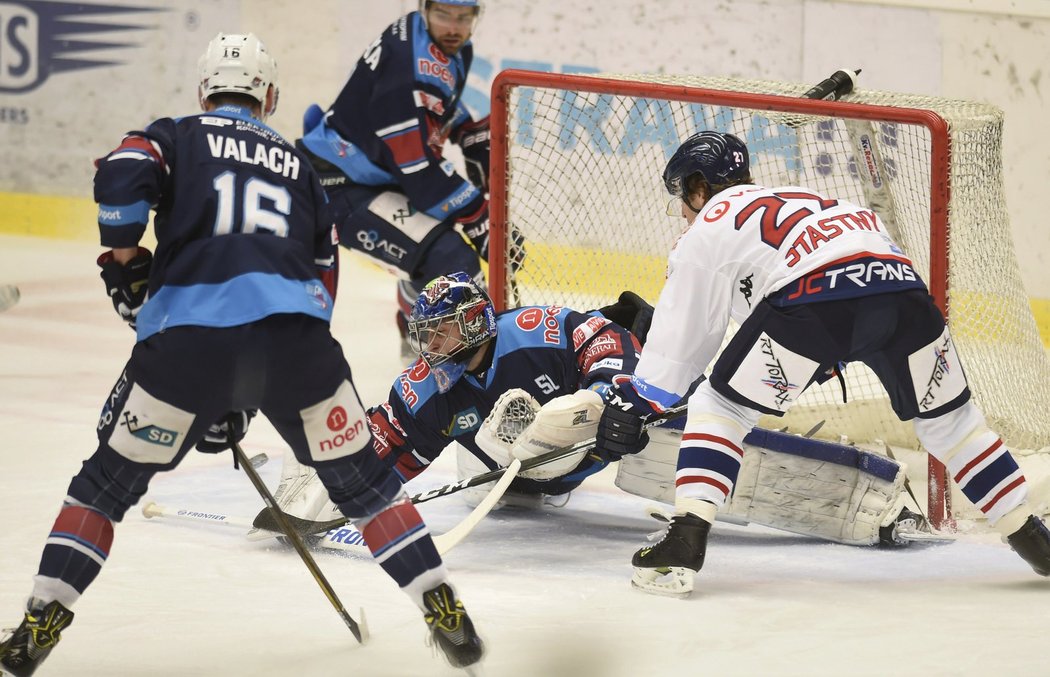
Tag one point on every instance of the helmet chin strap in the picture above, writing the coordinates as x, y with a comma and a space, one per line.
690, 205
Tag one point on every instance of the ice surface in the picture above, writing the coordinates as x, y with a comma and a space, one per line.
549, 590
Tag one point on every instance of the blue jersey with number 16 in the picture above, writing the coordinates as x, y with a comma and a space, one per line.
240, 221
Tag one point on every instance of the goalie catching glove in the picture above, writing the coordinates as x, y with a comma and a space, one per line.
519, 428
127, 284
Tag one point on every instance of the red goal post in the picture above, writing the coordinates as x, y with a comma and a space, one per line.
576, 163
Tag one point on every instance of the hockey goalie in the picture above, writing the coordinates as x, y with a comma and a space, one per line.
810, 487
519, 383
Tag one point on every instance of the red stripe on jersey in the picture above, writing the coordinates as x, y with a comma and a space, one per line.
86, 525
705, 437
407, 148
701, 479
1007, 489
980, 457
138, 143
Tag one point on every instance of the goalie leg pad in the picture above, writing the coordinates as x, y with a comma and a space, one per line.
809, 487
467, 466
300, 494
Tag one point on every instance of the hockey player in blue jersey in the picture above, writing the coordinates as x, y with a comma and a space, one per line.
232, 314
470, 357
379, 151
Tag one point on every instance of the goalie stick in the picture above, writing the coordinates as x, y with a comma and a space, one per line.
346, 536
498, 473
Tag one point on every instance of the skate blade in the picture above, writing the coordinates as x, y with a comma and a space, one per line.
672, 582
922, 537
474, 670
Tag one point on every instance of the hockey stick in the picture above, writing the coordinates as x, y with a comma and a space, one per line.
9, 296
346, 536
360, 632
348, 539
152, 510
453, 536
542, 459
493, 475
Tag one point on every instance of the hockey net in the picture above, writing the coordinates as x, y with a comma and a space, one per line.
576, 170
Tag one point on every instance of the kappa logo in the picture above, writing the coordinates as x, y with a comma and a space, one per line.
40, 39
747, 286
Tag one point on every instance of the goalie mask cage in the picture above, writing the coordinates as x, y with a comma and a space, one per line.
576, 169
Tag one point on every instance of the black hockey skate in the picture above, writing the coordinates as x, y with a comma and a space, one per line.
901, 533
451, 627
669, 566
1032, 543
23, 652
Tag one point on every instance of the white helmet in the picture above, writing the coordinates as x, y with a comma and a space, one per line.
238, 63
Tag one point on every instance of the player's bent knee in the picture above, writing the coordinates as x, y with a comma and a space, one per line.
708, 405
361, 485
943, 435
109, 483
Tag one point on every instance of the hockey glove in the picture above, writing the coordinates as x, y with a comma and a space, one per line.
473, 139
476, 227
127, 284
217, 438
620, 430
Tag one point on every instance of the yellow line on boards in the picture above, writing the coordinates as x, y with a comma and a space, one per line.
50, 216
73, 218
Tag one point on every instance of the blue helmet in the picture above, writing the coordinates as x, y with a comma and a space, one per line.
451, 319
722, 159
458, 3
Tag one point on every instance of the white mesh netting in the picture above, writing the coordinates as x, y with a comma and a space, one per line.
583, 187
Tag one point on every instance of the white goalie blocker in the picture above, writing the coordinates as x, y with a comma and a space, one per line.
811, 487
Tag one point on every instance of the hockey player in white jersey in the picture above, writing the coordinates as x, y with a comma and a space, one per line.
813, 282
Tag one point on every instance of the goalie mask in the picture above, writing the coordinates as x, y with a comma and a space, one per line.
240, 64
721, 159
450, 320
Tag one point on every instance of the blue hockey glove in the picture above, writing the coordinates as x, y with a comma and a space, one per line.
476, 227
473, 139
217, 438
127, 285
620, 430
